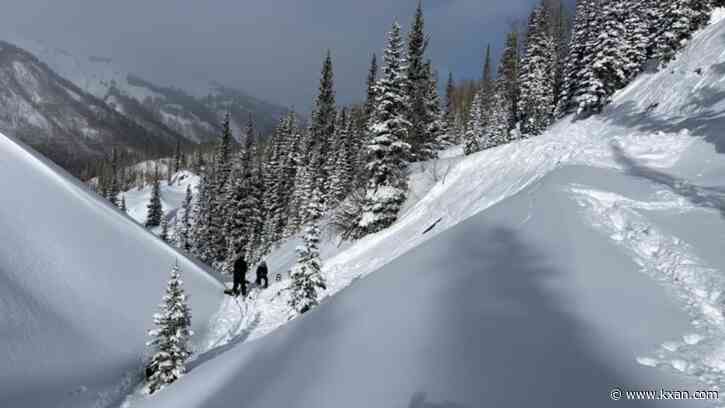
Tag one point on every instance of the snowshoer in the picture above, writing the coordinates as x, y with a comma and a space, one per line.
262, 274
240, 272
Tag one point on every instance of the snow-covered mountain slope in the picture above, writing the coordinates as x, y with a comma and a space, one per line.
195, 113
541, 273
79, 283
61, 120
172, 197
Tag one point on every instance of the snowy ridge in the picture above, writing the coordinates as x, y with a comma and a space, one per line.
70, 264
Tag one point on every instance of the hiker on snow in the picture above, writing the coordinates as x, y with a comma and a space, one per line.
240, 272
262, 274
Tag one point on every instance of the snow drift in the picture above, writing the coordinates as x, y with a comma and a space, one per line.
79, 282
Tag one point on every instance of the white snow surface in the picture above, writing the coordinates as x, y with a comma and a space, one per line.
541, 273
79, 284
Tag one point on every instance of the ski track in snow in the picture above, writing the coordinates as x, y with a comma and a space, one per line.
671, 262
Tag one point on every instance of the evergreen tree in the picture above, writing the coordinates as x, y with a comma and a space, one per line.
306, 277
371, 88
487, 80
584, 30
508, 77
536, 75
322, 129
250, 127
496, 130
449, 113
170, 339
637, 30
243, 206
164, 228
280, 176
182, 231
680, 18
560, 27
114, 185
199, 233
386, 151
472, 138
217, 243
436, 130
154, 211
341, 178
177, 157
417, 86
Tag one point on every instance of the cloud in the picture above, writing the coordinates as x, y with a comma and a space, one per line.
272, 49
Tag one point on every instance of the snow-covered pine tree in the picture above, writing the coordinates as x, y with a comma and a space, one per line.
199, 232
508, 77
583, 31
536, 103
475, 127
243, 208
417, 87
255, 226
449, 113
387, 150
434, 115
177, 157
487, 81
322, 128
306, 276
342, 176
371, 83
602, 71
273, 177
154, 211
164, 228
637, 29
183, 228
114, 185
304, 181
496, 131
560, 25
680, 18
217, 243
170, 339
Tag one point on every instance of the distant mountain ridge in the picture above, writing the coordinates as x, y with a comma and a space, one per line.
139, 116
61, 120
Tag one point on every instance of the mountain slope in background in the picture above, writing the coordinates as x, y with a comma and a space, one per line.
79, 284
195, 114
62, 121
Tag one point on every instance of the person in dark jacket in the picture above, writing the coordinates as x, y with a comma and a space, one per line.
240, 272
262, 271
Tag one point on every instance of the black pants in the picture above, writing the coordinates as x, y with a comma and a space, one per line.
243, 284
261, 278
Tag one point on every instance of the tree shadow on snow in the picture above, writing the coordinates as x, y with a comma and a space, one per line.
507, 340
706, 197
703, 121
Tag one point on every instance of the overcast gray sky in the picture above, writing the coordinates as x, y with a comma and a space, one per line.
273, 49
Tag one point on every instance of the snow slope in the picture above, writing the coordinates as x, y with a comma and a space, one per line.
79, 283
556, 268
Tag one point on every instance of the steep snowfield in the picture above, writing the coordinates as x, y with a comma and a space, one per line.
79, 283
552, 270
